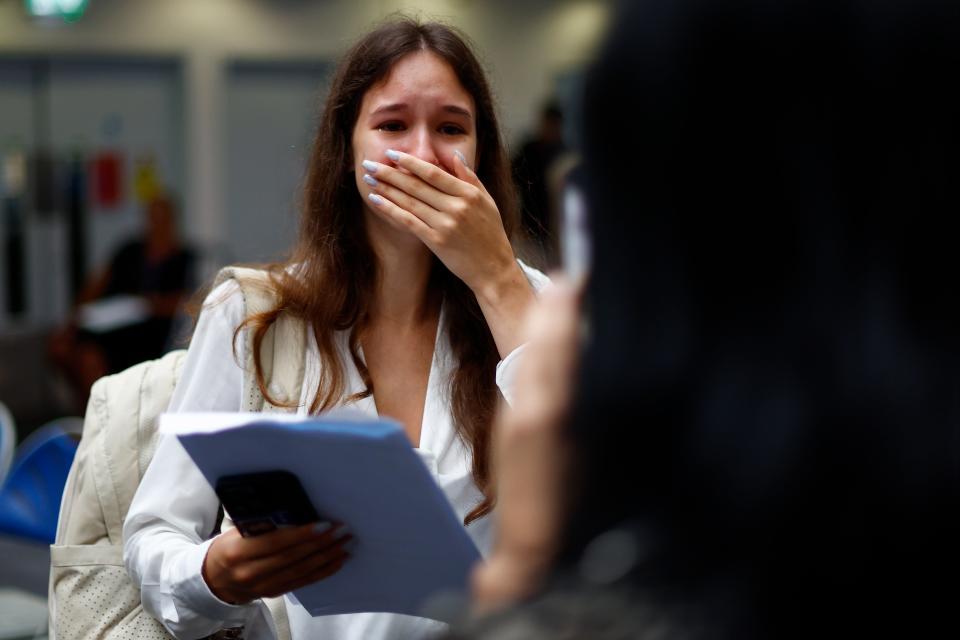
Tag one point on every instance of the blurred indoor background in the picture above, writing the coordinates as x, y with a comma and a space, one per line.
108, 107
106, 104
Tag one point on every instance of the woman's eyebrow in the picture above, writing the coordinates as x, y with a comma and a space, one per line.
394, 107
452, 108
390, 108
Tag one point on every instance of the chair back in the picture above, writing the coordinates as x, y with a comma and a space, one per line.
30, 495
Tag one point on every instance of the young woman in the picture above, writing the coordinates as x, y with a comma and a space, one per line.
405, 275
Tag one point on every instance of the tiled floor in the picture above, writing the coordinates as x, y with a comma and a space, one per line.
24, 571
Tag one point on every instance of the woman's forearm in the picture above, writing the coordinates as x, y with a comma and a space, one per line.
505, 301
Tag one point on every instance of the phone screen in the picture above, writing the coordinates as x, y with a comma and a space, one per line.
265, 501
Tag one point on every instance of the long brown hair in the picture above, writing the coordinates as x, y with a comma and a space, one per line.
331, 275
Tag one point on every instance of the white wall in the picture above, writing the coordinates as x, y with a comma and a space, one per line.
270, 119
67, 106
524, 43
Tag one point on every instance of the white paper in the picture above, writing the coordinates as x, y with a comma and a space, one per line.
113, 313
410, 547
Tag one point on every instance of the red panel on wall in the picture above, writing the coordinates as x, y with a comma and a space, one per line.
107, 176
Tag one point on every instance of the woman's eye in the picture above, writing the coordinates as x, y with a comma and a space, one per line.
452, 130
391, 126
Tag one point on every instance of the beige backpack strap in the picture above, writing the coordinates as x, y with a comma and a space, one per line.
287, 352
282, 357
122, 414
281, 622
156, 389
99, 466
276, 606
283, 347
90, 596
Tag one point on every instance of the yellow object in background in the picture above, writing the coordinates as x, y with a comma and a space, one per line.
13, 173
146, 180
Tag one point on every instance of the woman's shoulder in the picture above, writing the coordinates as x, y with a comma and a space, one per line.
252, 280
223, 292
246, 288
223, 305
238, 293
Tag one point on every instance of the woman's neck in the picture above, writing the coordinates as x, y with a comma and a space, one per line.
403, 296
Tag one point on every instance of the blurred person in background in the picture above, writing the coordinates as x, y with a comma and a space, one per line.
406, 279
125, 312
764, 434
532, 166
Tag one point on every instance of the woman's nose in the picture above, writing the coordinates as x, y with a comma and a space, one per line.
422, 146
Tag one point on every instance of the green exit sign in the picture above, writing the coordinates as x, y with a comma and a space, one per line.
68, 10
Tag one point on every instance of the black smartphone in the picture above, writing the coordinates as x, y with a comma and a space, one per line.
265, 501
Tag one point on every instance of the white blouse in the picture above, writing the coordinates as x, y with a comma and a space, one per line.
174, 510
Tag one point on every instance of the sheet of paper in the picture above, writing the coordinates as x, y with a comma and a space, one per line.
411, 549
113, 313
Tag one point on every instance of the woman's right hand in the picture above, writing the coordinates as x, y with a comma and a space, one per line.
239, 570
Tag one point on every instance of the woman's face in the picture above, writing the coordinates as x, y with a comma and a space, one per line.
421, 109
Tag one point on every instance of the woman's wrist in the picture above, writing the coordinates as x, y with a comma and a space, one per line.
209, 567
506, 282
504, 300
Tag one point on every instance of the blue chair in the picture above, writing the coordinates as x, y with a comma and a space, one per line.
8, 440
30, 496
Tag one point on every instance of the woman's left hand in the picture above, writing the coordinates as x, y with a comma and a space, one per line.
453, 215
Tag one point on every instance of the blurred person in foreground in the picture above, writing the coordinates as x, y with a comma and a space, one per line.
125, 312
763, 440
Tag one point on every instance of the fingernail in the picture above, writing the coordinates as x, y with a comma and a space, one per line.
457, 153
375, 199
370, 180
322, 527
393, 155
370, 166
